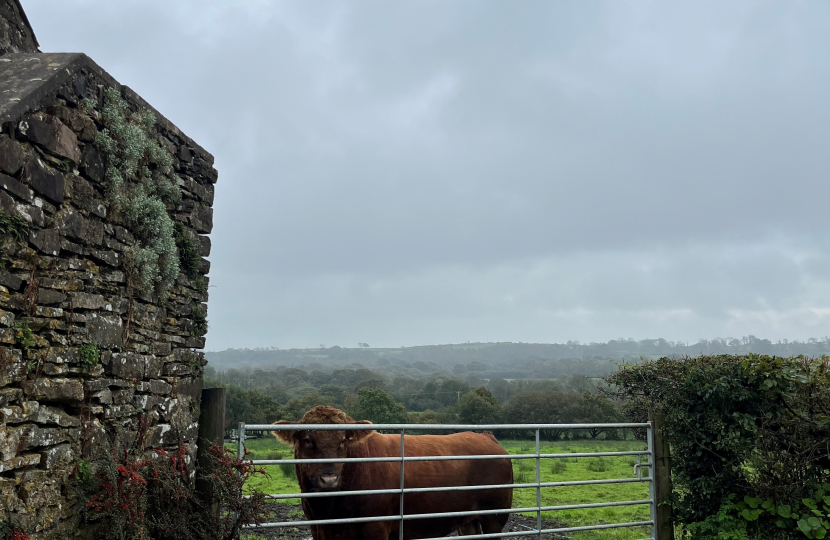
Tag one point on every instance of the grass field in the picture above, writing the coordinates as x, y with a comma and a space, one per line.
552, 470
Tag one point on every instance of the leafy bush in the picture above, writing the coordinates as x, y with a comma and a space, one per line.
88, 356
200, 322
190, 256
134, 498
749, 428
141, 181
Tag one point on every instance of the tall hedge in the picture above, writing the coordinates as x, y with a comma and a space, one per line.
750, 441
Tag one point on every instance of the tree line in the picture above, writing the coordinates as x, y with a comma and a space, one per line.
286, 394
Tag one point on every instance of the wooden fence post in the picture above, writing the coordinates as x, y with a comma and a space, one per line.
662, 479
211, 432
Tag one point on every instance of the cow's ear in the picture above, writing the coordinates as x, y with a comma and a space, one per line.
359, 435
284, 436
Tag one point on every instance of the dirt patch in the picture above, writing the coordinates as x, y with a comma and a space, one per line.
288, 512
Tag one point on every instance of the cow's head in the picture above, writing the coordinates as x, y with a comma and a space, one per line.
312, 444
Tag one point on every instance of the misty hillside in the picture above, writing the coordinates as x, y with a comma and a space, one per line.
506, 360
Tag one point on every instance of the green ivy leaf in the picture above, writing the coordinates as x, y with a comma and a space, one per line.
821, 532
810, 503
784, 511
803, 527
751, 501
813, 522
768, 505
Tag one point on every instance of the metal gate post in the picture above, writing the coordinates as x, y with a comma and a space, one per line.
400, 532
240, 440
652, 491
538, 487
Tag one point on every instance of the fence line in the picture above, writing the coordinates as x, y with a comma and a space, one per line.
402, 517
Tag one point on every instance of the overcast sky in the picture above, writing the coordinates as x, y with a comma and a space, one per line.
415, 172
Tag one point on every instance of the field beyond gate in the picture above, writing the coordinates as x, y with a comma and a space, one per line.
281, 481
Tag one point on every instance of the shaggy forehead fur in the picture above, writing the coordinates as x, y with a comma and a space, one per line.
323, 414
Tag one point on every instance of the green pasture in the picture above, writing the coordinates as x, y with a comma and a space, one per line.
552, 470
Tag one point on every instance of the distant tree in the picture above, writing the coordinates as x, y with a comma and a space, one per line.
363, 345
479, 407
594, 409
376, 405
296, 408
371, 383
540, 408
249, 406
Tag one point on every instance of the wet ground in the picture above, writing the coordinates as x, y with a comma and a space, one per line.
287, 512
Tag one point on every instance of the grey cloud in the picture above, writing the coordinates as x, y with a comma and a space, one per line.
426, 171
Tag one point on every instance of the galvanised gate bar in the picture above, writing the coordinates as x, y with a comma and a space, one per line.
538, 485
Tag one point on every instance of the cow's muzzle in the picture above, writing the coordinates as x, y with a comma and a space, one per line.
328, 482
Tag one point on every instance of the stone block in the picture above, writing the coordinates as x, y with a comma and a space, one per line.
146, 402
104, 396
49, 183
123, 397
81, 300
9, 442
158, 386
42, 311
153, 366
92, 164
49, 296
105, 331
11, 155
62, 284
46, 240
55, 389
31, 214
10, 280
126, 365
161, 348
204, 245
119, 411
6, 318
75, 226
57, 455
111, 258
10, 395
15, 188
19, 462
45, 414
201, 219
53, 135
161, 435
36, 436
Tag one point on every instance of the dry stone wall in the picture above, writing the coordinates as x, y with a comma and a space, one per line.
87, 361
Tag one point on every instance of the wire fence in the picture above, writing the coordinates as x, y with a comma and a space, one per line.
403, 516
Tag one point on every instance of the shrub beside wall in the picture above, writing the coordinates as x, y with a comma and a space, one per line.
750, 441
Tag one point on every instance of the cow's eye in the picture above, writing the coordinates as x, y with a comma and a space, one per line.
307, 440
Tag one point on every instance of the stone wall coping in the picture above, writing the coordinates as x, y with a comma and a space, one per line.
27, 79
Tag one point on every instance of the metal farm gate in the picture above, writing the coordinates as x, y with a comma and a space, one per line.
647, 463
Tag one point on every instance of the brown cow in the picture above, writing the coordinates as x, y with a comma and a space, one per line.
310, 444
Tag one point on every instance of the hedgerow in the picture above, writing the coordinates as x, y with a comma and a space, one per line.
750, 441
